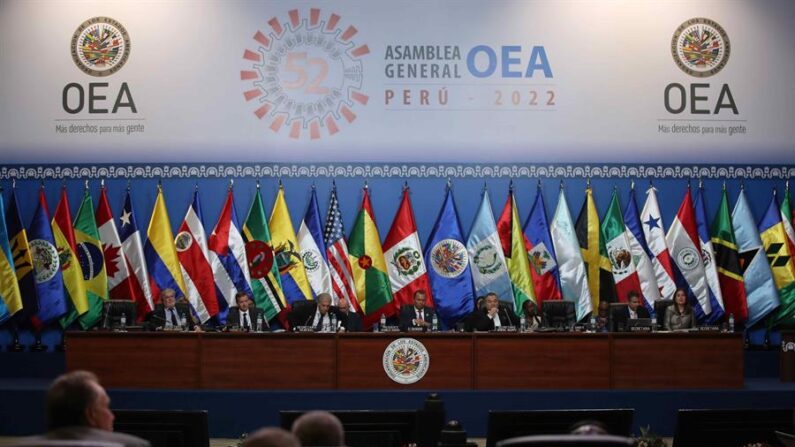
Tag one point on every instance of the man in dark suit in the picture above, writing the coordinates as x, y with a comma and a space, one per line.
635, 309
78, 409
316, 314
169, 312
351, 321
492, 316
244, 316
417, 315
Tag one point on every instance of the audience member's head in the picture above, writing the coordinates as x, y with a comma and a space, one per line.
323, 303
319, 428
77, 399
588, 427
242, 300
168, 297
271, 437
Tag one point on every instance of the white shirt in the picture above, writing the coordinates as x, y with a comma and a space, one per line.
496, 319
325, 318
420, 315
632, 314
248, 317
169, 318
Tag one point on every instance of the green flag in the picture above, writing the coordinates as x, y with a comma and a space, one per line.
265, 282
92, 262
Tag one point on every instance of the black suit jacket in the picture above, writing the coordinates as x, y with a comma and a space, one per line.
408, 313
157, 318
303, 313
233, 318
622, 317
480, 321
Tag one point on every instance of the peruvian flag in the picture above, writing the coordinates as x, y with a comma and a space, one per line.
619, 251
654, 232
191, 245
403, 256
683, 242
133, 250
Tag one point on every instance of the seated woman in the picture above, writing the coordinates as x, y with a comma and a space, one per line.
532, 319
680, 315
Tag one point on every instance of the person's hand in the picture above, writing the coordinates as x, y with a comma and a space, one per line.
197, 328
493, 311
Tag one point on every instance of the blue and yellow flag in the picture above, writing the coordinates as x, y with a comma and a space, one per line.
10, 296
161, 255
23, 264
70, 265
771, 230
46, 266
295, 284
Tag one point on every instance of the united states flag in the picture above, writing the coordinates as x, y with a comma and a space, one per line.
337, 250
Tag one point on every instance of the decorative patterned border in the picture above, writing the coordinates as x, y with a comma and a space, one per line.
407, 170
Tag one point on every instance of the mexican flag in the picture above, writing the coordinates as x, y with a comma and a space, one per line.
619, 252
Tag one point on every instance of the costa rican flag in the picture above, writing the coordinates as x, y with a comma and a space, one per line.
337, 251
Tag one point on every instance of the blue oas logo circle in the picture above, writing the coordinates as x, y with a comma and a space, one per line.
700, 47
100, 46
449, 258
304, 74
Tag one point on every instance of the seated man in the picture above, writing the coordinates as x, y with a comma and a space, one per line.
78, 408
492, 316
603, 317
417, 315
351, 321
635, 310
316, 314
244, 316
169, 311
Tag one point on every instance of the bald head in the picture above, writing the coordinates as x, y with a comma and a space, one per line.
271, 437
319, 428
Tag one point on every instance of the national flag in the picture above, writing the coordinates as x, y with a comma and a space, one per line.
92, 262
46, 266
774, 238
403, 256
266, 285
786, 219
228, 255
373, 288
295, 284
573, 276
70, 264
708, 255
760, 288
683, 242
313, 248
541, 252
489, 268
592, 245
10, 295
619, 252
116, 268
161, 255
641, 253
23, 263
654, 232
514, 247
449, 272
133, 249
337, 254
191, 246
730, 274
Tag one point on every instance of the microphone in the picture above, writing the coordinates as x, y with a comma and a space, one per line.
107, 315
507, 317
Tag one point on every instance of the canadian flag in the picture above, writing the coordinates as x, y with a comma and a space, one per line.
122, 285
403, 256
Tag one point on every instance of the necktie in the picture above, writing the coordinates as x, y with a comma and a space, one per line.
420, 318
319, 326
174, 320
246, 326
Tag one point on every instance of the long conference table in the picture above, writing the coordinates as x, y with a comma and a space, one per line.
460, 361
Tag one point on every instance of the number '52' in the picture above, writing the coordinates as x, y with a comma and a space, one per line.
299, 64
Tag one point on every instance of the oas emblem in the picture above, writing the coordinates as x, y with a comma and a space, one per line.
700, 47
100, 46
449, 258
45, 260
406, 360
688, 258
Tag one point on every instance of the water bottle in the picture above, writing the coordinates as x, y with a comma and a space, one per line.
522, 323
382, 322
593, 324
333, 323
654, 324
123, 322
434, 323
259, 323
731, 323
183, 322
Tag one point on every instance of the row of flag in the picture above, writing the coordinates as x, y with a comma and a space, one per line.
62, 269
